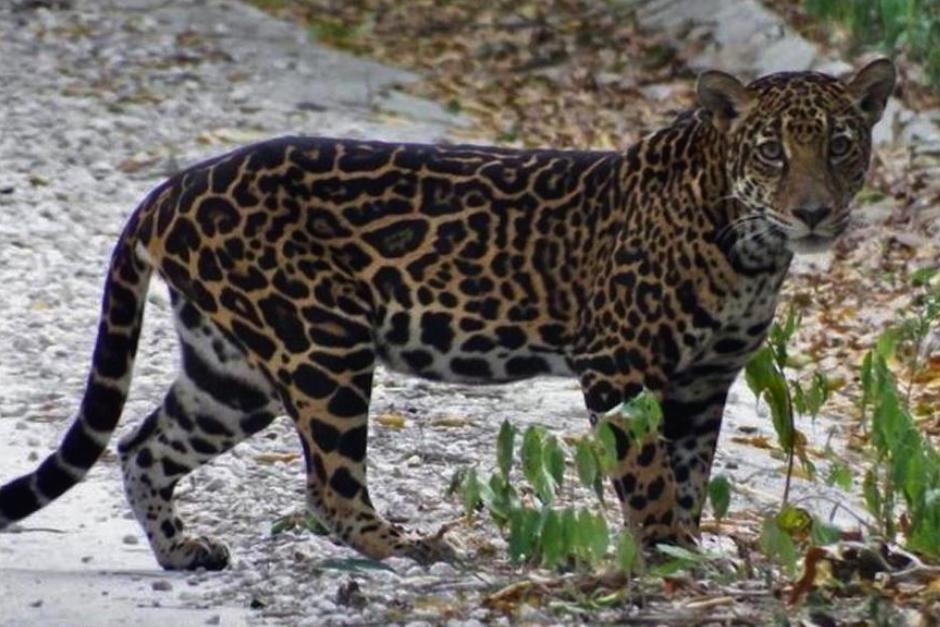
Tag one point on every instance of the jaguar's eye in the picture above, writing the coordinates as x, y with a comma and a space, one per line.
838, 146
771, 150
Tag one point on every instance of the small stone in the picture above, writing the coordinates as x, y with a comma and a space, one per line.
215, 485
442, 569
36, 603
130, 539
162, 585
215, 619
86, 559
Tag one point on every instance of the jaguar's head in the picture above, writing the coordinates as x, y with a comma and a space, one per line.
798, 145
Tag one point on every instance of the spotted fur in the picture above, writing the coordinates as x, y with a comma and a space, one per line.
295, 264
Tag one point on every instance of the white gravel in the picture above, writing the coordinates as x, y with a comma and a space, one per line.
97, 104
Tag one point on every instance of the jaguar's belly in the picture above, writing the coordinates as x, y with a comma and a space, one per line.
435, 347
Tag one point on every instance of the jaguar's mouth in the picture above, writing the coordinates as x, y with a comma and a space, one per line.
810, 243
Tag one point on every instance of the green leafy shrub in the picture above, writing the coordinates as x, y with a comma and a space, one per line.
538, 530
906, 468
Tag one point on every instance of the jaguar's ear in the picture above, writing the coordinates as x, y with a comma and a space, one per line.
871, 87
724, 95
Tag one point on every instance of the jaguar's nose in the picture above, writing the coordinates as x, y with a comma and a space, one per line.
812, 216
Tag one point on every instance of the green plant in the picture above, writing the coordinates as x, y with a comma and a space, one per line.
765, 375
539, 530
909, 25
906, 468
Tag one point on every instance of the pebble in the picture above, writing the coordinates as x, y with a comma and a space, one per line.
130, 539
162, 585
442, 569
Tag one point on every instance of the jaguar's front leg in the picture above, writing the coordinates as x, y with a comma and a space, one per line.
692, 413
642, 476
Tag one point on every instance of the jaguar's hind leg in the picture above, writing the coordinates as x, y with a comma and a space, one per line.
217, 400
329, 401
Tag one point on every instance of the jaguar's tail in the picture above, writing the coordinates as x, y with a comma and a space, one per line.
122, 308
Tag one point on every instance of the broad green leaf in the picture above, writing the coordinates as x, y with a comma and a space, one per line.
600, 537
798, 397
553, 460
681, 553
780, 335
887, 343
282, 524
680, 559
553, 542
505, 442
532, 455
719, 494
923, 276
778, 545
500, 498
592, 535
607, 451
643, 415
627, 551
795, 521
768, 382
839, 475
670, 567
470, 492
585, 462
523, 534
823, 533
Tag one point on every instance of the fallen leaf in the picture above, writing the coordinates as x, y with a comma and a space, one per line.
757, 441
272, 458
392, 421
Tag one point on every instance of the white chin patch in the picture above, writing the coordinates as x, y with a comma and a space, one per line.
810, 244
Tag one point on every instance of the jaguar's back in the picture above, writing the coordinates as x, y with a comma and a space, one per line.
294, 264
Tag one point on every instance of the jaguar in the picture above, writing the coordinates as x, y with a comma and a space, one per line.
296, 264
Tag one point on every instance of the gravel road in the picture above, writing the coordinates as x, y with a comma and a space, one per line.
100, 100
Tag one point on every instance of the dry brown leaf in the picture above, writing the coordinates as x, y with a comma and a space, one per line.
757, 441
273, 458
392, 421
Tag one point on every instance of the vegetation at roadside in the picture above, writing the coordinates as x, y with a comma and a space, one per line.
525, 495
902, 486
893, 26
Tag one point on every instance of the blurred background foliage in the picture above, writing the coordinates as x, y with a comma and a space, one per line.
907, 27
